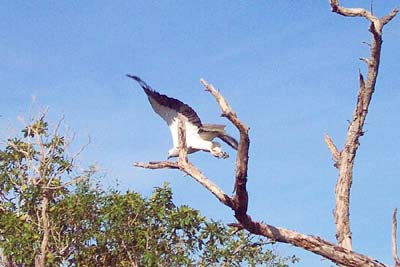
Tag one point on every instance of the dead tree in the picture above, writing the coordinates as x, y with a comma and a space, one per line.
340, 253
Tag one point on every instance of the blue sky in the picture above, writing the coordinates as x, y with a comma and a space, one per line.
288, 68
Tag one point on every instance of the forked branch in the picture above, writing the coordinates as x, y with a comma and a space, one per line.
344, 160
314, 244
376, 23
240, 198
342, 253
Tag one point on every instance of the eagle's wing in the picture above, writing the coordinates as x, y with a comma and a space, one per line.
169, 108
210, 131
229, 140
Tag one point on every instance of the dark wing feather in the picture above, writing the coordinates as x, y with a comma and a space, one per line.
218, 130
169, 102
213, 127
230, 141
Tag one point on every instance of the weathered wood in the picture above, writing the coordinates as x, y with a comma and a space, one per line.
344, 160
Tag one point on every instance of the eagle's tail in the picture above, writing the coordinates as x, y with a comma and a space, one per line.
229, 140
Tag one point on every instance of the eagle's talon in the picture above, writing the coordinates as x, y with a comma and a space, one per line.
220, 155
224, 155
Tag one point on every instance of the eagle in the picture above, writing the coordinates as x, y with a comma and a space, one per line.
199, 136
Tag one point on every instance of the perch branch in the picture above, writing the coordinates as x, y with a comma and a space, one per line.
317, 245
313, 244
394, 239
185, 166
157, 165
310, 243
342, 253
240, 198
355, 128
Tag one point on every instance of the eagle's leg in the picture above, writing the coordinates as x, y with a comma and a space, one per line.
217, 152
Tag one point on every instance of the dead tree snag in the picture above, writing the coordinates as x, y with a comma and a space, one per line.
340, 253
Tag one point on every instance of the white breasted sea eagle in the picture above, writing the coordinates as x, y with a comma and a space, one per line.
199, 136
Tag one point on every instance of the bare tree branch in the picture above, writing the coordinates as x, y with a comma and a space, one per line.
342, 253
314, 244
376, 23
394, 239
185, 166
64, 185
192, 171
351, 12
335, 152
386, 19
240, 198
157, 165
355, 128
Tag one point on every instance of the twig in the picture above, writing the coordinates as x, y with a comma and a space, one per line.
64, 185
81, 149
366, 43
238, 227
366, 60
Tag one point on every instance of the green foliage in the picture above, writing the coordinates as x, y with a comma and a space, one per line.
118, 229
93, 227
